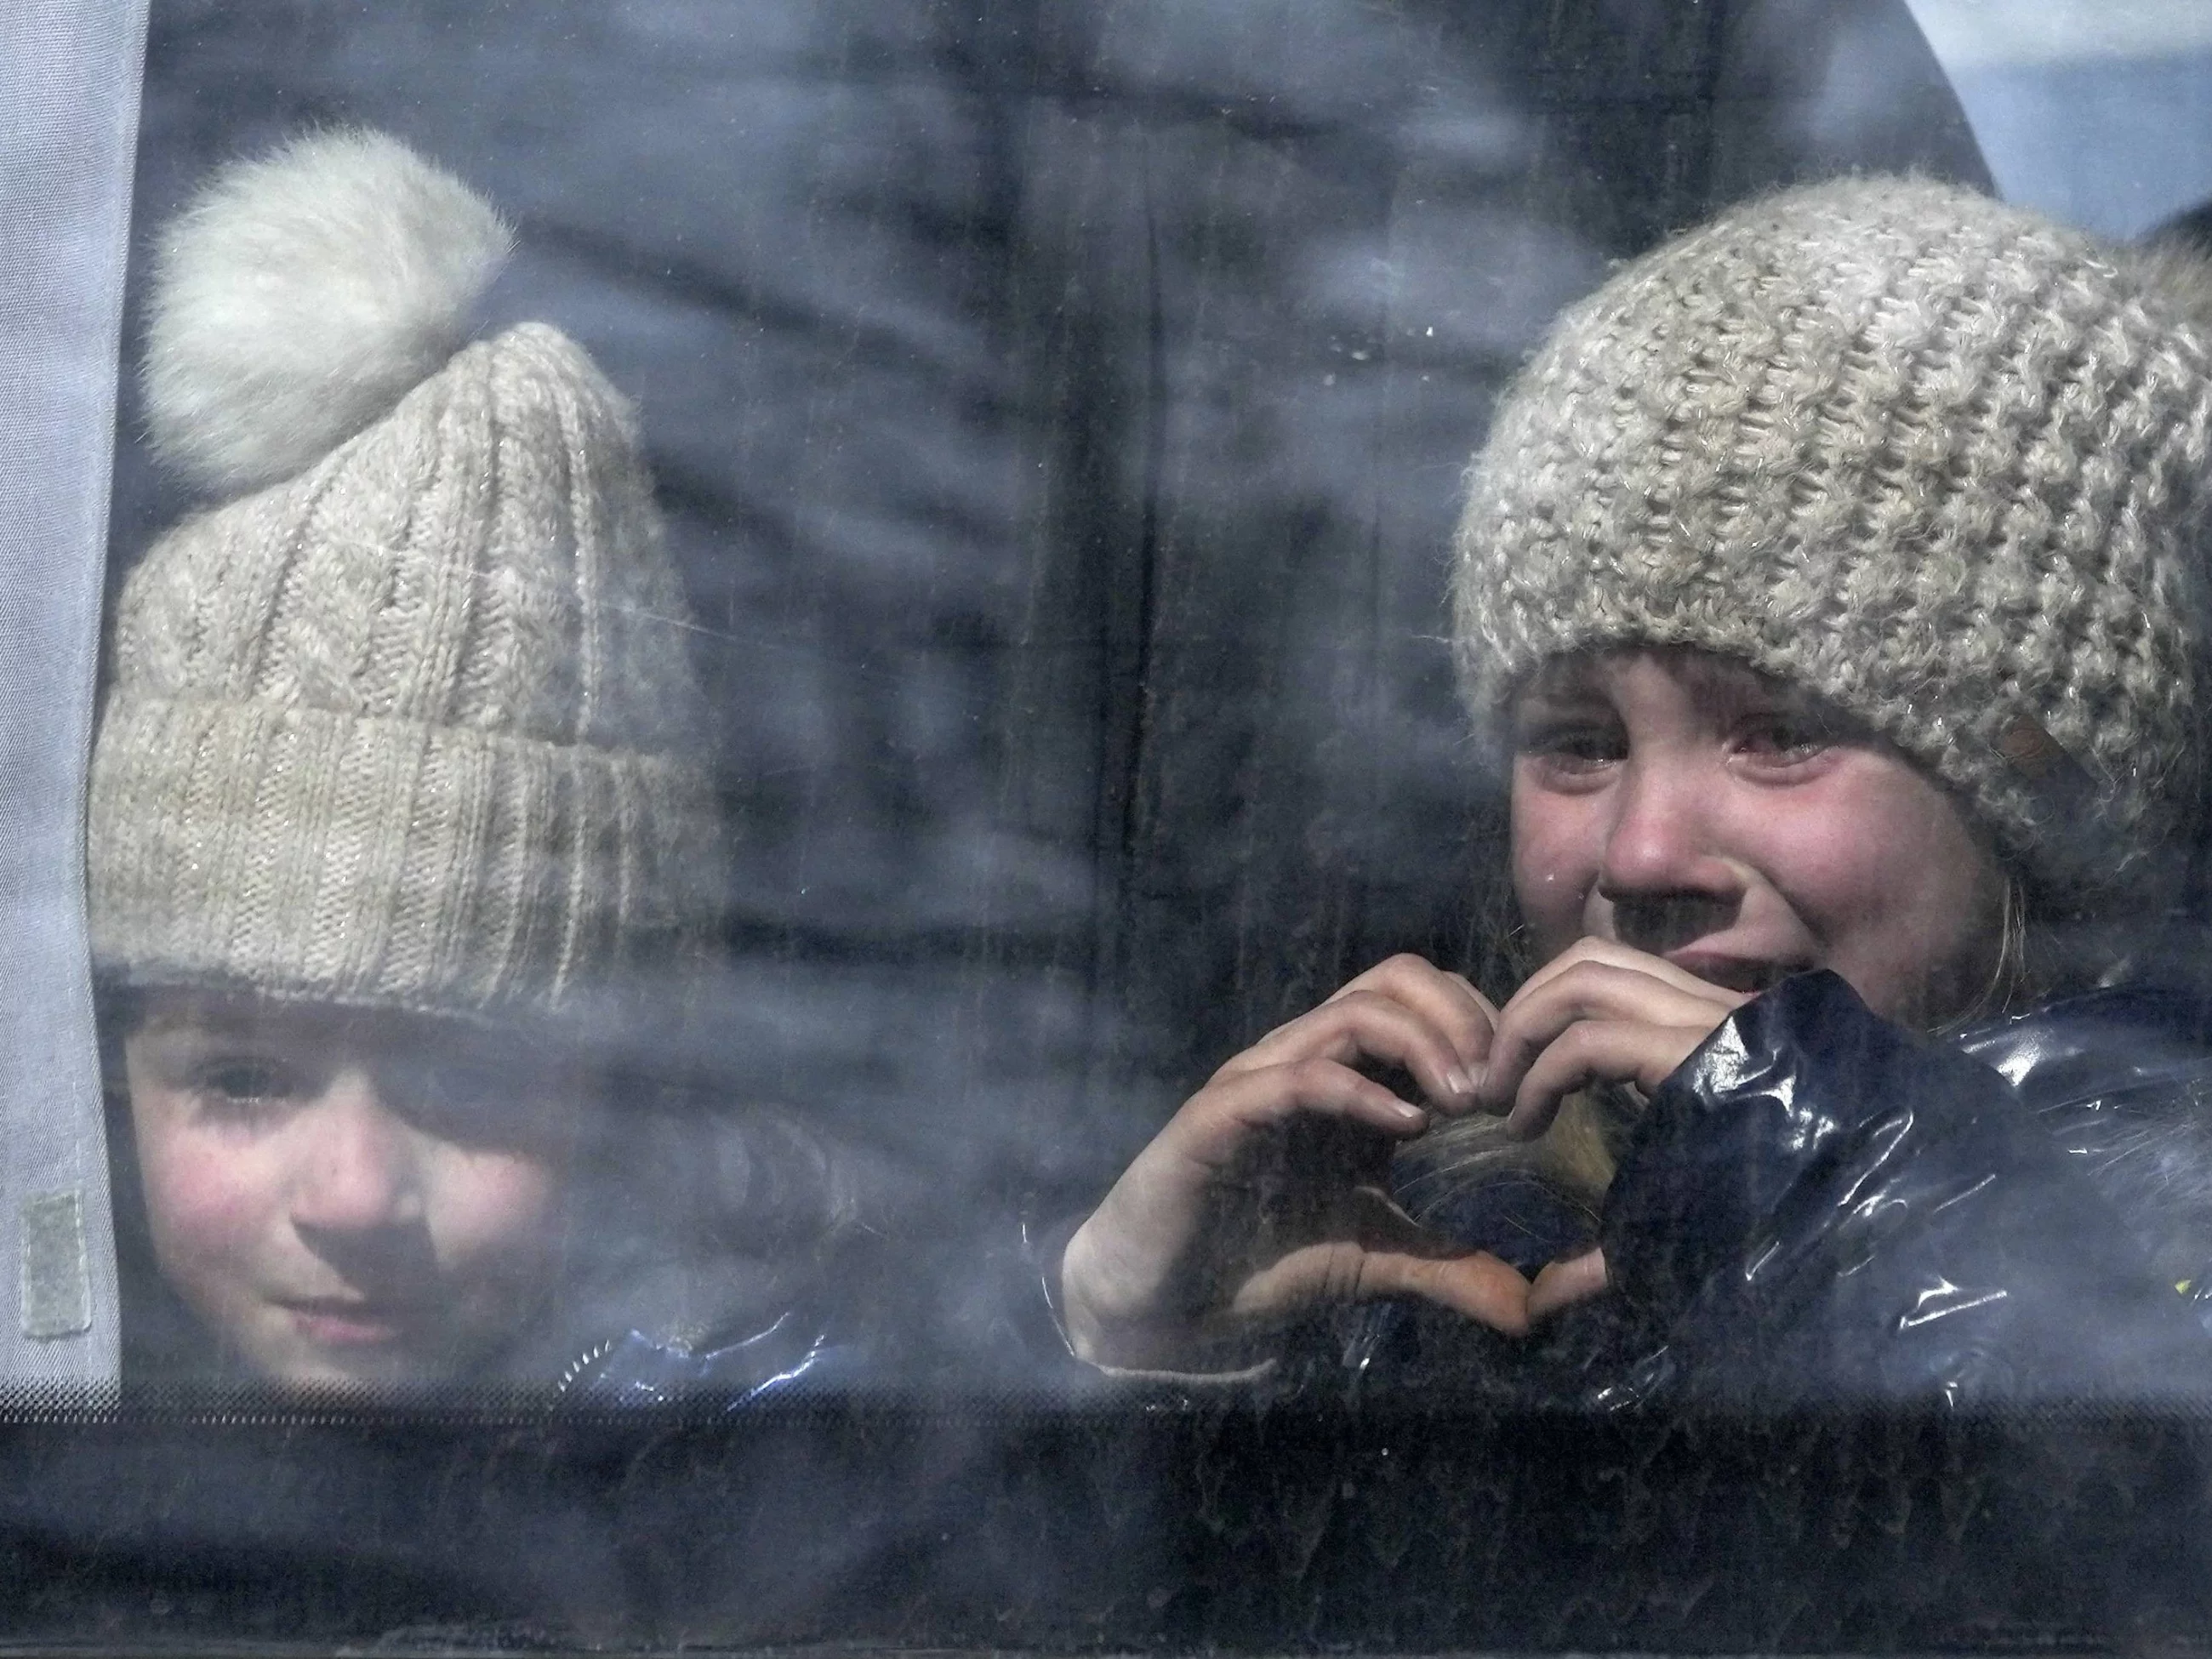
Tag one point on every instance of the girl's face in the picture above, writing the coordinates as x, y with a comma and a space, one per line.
349, 1199
1690, 808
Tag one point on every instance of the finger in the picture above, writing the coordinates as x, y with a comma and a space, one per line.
1598, 1051
1612, 953
1154, 1215
1393, 1255
1601, 967
1477, 1287
1335, 1272
1540, 1014
1463, 1014
1219, 1120
1469, 987
1164, 1190
1563, 1283
1366, 1026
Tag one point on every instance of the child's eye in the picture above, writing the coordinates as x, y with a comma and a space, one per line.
1783, 737
246, 1087
1574, 747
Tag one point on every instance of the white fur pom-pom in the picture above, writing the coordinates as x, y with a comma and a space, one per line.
301, 296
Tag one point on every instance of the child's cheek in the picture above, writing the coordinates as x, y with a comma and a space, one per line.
1885, 871
1868, 855
1555, 857
208, 1202
1830, 870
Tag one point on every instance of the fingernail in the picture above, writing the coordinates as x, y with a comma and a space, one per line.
1459, 1082
1410, 1112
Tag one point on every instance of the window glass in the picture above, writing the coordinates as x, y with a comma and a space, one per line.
1119, 824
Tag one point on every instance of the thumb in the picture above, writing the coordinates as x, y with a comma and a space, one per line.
1474, 1284
1563, 1283
1402, 1257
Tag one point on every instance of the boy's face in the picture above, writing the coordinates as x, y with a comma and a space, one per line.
349, 1199
1687, 807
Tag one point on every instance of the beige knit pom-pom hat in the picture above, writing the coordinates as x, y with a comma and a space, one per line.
407, 721
1935, 458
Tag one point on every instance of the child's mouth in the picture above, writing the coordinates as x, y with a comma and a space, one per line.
345, 1321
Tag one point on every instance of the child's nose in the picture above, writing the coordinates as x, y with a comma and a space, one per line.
1661, 840
357, 1171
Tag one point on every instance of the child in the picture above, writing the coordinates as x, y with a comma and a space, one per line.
1833, 578
397, 816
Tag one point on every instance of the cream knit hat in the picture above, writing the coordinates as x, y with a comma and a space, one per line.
1937, 459
409, 722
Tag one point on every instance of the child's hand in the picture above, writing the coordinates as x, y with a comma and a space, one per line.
1264, 1198
1597, 1012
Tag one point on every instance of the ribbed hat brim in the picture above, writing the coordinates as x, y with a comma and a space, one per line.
390, 862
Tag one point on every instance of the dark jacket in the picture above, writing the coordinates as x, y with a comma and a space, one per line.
1820, 1209
730, 1255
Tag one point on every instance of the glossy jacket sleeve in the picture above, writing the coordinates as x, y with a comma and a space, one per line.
1820, 1208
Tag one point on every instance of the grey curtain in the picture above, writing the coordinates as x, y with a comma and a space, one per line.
68, 120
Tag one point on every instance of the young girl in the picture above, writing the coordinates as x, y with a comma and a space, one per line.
1832, 579
398, 829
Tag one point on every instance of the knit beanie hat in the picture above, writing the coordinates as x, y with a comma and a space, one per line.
1937, 459
406, 719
